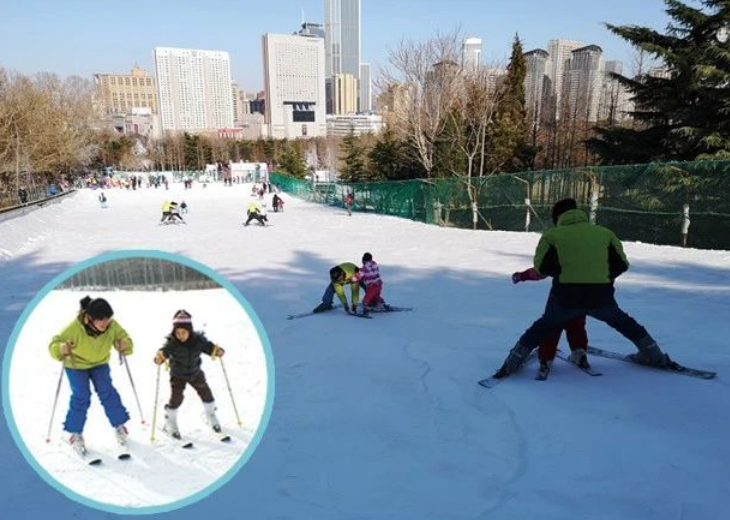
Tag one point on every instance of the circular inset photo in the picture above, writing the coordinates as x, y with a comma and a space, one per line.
138, 382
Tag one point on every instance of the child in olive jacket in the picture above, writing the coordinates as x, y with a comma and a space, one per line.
183, 348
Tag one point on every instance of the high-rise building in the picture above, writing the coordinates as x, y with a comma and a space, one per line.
294, 83
366, 89
342, 42
342, 37
615, 98
121, 93
471, 54
194, 88
344, 95
560, 54
537, 83
582, 82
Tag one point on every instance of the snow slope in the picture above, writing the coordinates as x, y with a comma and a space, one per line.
383, 418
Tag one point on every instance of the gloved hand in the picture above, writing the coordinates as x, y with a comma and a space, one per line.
66, 347
218, 351
121, 345
159, 357
516, 277
347, 309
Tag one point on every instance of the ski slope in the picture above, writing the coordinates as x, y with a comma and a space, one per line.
383, 418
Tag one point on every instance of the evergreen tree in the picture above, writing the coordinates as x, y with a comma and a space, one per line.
389, 160
291, 161
353, 169
508, 134
683, 114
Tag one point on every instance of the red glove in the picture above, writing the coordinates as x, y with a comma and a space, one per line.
528, 274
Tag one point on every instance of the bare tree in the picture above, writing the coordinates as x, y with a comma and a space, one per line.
426, 78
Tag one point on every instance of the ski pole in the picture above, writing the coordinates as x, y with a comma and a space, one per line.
55, 402
123, 358
154, 411
228, 384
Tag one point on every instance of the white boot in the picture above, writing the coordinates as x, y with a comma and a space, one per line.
121, 433
211, 417
77, 443
171, 422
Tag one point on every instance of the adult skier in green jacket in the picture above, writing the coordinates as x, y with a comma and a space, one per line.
341, 275
584, 260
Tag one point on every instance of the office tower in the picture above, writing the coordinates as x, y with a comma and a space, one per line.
366, 89
471, 54
120, 93
342, 37
582, 82
344, 95
560, 53
294, 84
194, 88
615, 98
537, 83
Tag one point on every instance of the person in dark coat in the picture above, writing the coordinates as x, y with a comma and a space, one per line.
183, 348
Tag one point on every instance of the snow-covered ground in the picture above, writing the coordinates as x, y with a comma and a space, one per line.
383, 418
159, 472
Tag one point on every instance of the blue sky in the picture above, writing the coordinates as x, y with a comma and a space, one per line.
83, 37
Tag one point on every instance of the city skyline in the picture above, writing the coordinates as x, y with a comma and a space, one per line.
32, 40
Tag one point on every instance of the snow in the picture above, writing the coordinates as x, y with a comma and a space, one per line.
383, 418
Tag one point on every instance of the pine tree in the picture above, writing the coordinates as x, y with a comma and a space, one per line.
353, 169
508, 134
291, 161
683, 114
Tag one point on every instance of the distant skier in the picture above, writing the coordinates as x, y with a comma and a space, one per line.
349, 201
255, 213
370, 276
183, 348
184, 206
84, 347
170, 212
277, 203
103, 200
584, 259
341, 275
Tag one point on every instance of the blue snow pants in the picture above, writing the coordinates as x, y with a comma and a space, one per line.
79, 380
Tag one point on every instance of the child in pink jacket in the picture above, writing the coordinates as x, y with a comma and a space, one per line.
370, 276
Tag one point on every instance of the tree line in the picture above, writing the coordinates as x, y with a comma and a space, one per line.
441, 120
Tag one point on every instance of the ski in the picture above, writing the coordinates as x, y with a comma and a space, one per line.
310, 313
358, 315
588, 370
178, 440
673, 367
123, 452
392, 308
493, 381
87, 456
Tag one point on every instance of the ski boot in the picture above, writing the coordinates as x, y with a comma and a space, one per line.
580, 357
171, 422
121, 434
77, 443
211, 417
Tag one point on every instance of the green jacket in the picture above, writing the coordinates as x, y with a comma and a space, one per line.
350, 270
584, 259
88, 351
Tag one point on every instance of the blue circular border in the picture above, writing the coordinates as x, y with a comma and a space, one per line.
106, 257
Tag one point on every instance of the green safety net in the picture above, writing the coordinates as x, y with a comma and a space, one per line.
644, 202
